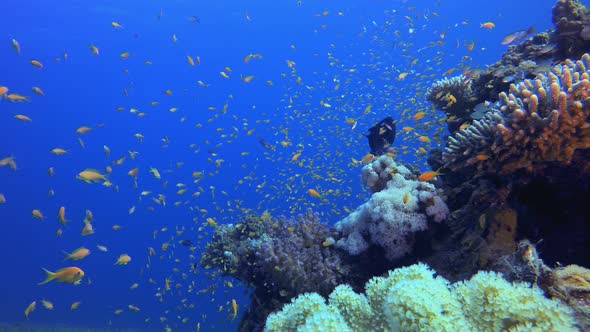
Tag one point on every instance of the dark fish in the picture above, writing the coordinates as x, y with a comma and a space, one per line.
266, 145
381, 136
186, 243
194, 19
517, 36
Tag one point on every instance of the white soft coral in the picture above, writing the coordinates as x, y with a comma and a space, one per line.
397, 209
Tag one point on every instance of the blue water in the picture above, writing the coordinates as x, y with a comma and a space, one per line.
87, 89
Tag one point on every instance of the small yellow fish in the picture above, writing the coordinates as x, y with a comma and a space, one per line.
77, 254
47, 305
314, 193
234, 306
37, 214
123, 259
23, 118
61, 215
38, 91
30, 308
36, 63
91, 175
83, 130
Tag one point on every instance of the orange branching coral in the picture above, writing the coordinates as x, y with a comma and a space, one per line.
537, 121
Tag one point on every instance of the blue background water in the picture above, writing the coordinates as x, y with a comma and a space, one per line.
86, 90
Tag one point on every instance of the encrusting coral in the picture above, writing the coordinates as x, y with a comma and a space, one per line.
536, 122
400, 206
412, 299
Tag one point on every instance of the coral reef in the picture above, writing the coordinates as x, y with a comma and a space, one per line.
393, 214
280, 258
538, 122
412, 299
536, 54
572, 285
454, 96
572, 25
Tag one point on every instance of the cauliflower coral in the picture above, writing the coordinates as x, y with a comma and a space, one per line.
413, 299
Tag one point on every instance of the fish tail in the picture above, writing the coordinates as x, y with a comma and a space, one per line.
50, 277
67, 255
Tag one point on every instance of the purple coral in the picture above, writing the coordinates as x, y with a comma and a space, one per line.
291, 257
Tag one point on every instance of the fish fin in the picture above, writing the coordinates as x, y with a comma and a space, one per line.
50, 277
67, 255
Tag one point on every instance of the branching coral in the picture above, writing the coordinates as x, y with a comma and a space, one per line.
538, 121
393, 214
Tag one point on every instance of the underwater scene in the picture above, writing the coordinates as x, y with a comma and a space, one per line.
263, 165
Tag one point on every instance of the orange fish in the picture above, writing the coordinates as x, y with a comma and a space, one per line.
72, 275
23, 117
487, 25
314, 193
247, 79
38, 91
296, 156
190, 60
3, 90
406, 197
77, 254
15, 97
37, 63
419, 116
61, 215
427, 176
424, 139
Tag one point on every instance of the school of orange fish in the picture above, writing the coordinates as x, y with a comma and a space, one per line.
316, 149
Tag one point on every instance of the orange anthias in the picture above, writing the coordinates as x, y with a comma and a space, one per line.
71, 275
427, 176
